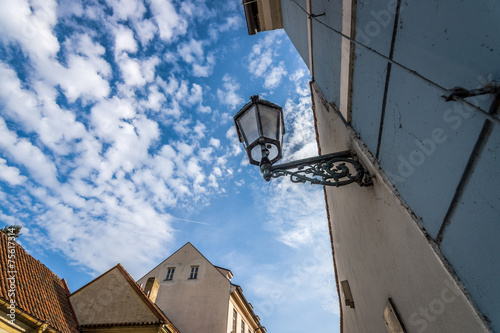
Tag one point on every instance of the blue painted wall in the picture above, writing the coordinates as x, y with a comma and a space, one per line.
374, 26
327, 47
295, 25
369, 76
471, 242
425, 142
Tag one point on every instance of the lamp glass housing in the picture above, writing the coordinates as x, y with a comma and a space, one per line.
260, 128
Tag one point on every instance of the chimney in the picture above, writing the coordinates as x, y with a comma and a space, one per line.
152, 288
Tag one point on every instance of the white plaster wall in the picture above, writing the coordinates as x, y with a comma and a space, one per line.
383, 253
243, 314
193, 305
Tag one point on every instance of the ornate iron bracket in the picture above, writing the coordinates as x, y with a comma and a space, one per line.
329, 170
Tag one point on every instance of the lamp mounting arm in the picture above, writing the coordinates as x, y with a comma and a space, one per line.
328, 170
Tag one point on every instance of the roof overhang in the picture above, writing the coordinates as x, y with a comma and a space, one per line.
262, 15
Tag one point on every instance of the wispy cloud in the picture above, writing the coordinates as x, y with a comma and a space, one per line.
10, 174
262, 61
228, 95
99, 141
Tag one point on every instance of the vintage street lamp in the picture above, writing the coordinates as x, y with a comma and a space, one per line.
260, 128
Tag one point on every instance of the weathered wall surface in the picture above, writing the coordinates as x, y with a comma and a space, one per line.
442, 157
108, 300
382, 252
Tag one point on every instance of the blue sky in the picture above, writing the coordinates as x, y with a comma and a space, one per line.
117, 145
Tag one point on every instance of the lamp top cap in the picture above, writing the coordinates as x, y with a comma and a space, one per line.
255, 99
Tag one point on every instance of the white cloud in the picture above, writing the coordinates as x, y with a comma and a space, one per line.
180, 94
274, 77
155, 99
145, 30
69, 8
127, 9
204, 69
30, 24
192, 52
23, 152
228, 96
131, 72
173, 26
200, 129
10, 174
18, 103
232, 22
262, 63
215, 142
235, 145
196, 94
135, 72
298, 74
124, 40
80, 79
197, 8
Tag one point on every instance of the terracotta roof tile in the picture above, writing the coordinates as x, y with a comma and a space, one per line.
39, 292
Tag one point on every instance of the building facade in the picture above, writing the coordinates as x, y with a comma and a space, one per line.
199, 297
32, 298
114, 302
398, 83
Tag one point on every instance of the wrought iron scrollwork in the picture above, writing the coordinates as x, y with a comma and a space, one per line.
337, 169
332, 173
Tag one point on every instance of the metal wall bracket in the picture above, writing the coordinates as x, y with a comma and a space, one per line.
337, 169
461, 93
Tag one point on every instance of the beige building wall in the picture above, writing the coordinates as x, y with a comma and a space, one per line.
238, 303
381, 250
110, 299
193, 305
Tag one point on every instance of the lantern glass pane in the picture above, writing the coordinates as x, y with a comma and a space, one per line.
248, 125
273, 151
269, 118
280, 130
256, 152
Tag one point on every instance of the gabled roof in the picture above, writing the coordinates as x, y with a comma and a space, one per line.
223, 271
39, 293
226, 272
161, 318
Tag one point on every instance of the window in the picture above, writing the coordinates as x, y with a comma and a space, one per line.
170, 273
242, 326
234, 321
194, 272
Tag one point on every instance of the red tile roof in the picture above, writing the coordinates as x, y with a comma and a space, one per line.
40, 293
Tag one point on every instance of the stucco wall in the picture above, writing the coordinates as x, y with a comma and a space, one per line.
383, 253
110, 299
193, 305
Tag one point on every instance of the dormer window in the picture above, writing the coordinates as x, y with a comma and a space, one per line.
194, 272
170, 273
